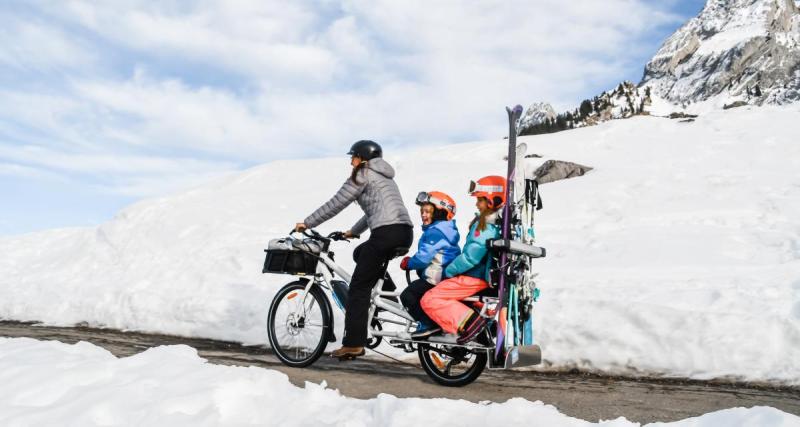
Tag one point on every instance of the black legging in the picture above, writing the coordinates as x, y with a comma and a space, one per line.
411, 297
370, 257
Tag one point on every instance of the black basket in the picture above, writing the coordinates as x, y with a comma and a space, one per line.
290, 262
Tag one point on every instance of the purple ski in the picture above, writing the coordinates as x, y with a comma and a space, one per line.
513, 117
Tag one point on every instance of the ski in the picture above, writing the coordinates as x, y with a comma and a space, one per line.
513, 117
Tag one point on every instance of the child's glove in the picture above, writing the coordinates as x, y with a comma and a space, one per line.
404, 263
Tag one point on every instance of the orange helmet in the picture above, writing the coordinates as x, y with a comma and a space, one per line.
439, 200
492, 187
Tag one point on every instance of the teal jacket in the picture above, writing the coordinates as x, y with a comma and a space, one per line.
474, 259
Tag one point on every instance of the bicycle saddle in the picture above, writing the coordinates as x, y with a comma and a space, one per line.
399, 251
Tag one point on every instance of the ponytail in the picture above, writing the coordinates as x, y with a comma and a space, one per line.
356, 170
481, 219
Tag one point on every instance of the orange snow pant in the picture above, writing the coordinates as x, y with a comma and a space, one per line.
443, 302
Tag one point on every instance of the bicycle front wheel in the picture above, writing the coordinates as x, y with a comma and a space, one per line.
298, 324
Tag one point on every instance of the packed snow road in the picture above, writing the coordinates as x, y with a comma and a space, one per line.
582, 396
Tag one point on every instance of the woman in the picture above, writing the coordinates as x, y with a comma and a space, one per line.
371, 185
469, 272
437, 247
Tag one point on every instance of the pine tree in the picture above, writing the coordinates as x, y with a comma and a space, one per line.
561, 122
757, 91
586, 108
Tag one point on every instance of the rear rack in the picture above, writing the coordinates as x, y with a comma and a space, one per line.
516, 248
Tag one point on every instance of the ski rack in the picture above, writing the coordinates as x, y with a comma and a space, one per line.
516, 248
520, 357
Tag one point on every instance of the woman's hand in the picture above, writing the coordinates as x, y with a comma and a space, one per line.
300, 227
349, 234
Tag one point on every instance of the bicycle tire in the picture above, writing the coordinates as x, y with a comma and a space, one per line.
443, 378
283, 354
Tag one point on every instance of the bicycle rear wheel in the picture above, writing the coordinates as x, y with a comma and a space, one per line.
451, 366
299, 324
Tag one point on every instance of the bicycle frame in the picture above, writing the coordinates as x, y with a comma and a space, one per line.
327, 270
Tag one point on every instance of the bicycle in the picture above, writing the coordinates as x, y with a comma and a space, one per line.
300, 323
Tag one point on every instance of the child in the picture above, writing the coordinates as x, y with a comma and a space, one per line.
437, 246
469, 272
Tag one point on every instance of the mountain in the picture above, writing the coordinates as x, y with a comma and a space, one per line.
624, 101
734, 50
733, 53
536, 114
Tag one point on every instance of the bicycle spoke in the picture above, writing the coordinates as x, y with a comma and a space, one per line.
317, 325
310, 305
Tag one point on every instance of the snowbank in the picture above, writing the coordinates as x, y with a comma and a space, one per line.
50, 383
678, 255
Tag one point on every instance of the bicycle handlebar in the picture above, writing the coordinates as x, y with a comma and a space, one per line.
313, 234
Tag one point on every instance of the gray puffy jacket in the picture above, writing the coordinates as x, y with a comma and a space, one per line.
376, 193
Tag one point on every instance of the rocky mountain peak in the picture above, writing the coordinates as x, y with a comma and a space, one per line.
746, 50
537, 113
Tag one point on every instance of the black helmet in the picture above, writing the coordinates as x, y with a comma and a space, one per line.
366, 149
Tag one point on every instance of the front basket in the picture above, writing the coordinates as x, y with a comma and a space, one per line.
290, 262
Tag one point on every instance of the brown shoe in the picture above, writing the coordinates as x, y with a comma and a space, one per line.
348, 353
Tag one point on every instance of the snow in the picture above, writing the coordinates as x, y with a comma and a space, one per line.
660, 106
734, 25
678, 255
51, 383
730, 38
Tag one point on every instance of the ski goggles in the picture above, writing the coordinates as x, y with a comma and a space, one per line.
474, 187
425, 197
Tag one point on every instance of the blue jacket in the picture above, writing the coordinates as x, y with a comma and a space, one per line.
473, 260
437, 246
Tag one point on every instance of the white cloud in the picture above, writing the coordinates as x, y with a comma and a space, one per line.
129, 175
30, 46
106, 162
259, 38
22, 171
148, 86
170, 114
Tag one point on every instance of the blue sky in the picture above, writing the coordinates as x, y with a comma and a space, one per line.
105, 103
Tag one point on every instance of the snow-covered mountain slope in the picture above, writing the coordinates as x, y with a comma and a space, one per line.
625, 100
679, 254
747, 50
735, 52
